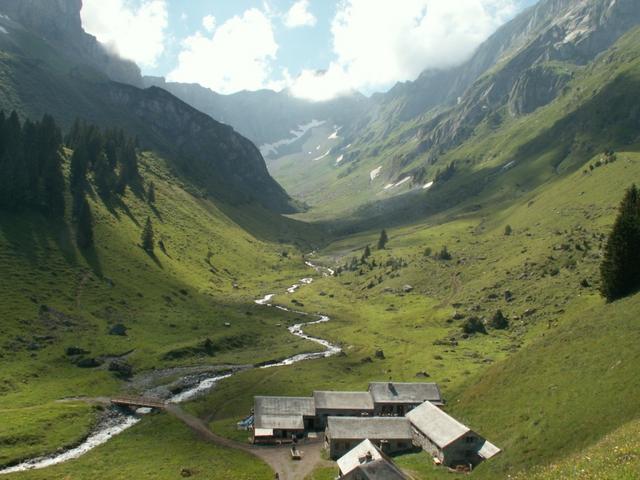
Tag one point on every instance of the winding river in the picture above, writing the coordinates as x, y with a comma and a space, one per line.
117, 422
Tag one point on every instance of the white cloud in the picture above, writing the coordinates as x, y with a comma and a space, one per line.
237, 56
209, 23
299, 15
378, 43
134, 31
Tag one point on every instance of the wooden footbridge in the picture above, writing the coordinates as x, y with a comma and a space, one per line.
139, 402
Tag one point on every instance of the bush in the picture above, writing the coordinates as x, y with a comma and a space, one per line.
444, 254
473, 325
499, 321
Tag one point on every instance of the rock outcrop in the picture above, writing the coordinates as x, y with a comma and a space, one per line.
59, 23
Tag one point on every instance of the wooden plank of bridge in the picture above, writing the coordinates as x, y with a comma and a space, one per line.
138, 402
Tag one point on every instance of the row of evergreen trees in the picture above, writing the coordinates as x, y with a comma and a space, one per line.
111, 158
31, 165
31, 175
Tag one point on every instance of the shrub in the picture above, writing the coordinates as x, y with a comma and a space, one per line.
499, 321
473, 325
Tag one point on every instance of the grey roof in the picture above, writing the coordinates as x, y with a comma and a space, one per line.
488, 450
354, 457
343, 400
441, 428
284, 406
396, 392
284, 413
374, 428
381, 470
279, 422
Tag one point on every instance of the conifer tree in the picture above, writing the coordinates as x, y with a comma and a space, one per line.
147, 236
382, 241
366, 253
620, 267
50, 164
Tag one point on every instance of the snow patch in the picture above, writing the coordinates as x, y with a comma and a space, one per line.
509, 165
334, 135
404, 180
296, 134
347, 147
3, 30
318, 147
374, 173
339, 159
394, 185
427, 186
322, 156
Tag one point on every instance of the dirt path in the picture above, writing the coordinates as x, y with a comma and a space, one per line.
456, 287
278, 458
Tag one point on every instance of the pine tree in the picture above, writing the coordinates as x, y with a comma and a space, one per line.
79, 168
382, 241
366, 254
13, 189
129, 174
147, 236
50, 164
84, 221
620, 268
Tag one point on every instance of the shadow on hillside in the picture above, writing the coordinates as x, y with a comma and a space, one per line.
270, 226
31, 236
153, 257
91, 257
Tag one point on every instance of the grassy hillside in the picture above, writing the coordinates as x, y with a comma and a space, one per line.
55, 296
556, 382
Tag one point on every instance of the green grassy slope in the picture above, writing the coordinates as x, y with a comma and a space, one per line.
557, 381
55, 296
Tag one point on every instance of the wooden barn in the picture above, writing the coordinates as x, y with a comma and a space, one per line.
342, 404
397, 398
446, 439
281, 418
366, 462
389, 434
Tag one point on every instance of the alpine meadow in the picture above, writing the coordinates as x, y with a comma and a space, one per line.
308, 240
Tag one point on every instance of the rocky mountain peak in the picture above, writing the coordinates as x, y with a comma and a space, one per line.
59, 23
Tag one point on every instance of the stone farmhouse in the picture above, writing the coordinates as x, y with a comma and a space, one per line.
393, 417
446, 439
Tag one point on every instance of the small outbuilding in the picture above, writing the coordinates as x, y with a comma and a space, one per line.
367, 462
446, 439
398, 398
341, 404
389, 434
281, 418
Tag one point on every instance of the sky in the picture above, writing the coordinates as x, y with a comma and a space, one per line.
319, 49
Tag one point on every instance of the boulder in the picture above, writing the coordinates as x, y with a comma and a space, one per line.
119, 330
380, 354
71, 351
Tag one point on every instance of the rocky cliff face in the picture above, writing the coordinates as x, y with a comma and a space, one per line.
525, 75
58, 22
265, 116
44, 72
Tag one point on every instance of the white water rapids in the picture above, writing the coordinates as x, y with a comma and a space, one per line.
120, 422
